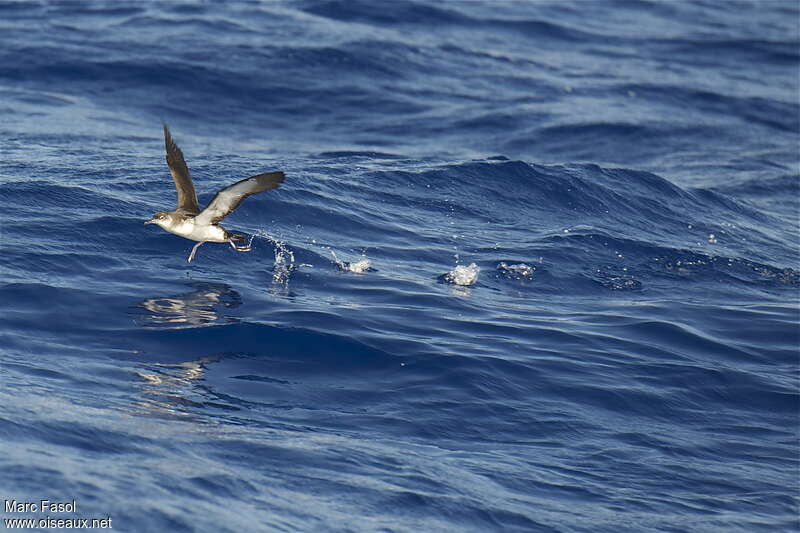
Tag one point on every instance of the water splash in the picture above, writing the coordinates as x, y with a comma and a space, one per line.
358, 267
462, 275
520, 271
284, 260
284, 263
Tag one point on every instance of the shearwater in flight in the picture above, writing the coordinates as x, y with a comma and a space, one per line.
203, 226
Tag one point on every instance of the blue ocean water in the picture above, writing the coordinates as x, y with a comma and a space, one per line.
534, 267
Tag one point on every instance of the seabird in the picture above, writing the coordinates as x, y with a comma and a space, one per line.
203, 226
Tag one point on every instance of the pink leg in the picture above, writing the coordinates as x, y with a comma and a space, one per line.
194, 250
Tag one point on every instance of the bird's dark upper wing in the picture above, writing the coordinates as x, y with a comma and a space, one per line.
187, 198
229, 198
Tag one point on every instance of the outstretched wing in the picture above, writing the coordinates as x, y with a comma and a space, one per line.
229, 198
187, 198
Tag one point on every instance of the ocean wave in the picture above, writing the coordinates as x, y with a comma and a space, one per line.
541, 252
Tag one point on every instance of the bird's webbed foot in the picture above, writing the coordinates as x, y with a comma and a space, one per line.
244, 247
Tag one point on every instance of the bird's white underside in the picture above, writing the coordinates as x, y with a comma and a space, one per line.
196, 232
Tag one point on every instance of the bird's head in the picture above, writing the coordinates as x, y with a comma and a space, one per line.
161, 218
